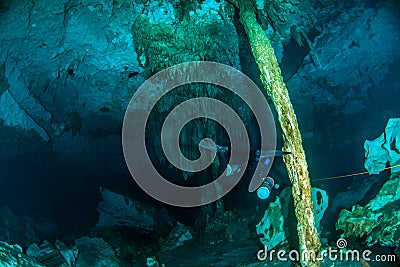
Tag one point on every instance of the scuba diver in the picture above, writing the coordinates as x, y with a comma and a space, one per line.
264, 156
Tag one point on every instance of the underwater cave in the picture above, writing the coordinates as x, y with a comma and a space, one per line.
298, 150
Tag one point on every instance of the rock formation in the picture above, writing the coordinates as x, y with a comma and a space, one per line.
378, 221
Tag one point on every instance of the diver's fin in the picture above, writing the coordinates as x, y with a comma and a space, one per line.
220, 149
204, 144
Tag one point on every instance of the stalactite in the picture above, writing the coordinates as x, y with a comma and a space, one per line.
296, 162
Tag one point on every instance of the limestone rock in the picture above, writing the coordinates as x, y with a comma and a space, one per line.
95, 252
69, 255
272, 225
385, 150
119, 213
46, 254
20, 107
277, 225
230, 226
285, 16
320, 199
152, 262
379, 220
66, 58
347, 78
177, 237
12, 256
199, 31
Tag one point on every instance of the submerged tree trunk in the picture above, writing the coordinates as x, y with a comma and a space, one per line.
296, 162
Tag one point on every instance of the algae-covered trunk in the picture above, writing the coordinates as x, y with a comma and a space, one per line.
296, 162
